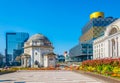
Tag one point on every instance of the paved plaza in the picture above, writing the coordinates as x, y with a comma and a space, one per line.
47, 77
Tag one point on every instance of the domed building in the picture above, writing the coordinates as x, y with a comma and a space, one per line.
35, 51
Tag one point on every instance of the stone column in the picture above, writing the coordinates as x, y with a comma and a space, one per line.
32, 57
118, 47
110, 51
27, 61
115, 48
111, 48
24, 62
117, 51
31, 61
108, 48
21, 62
114, 51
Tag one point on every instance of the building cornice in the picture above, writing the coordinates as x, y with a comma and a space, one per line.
39, 46
99, 40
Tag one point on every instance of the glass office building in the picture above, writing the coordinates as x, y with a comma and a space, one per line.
92, 30
14, 46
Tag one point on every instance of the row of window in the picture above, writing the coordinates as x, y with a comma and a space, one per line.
99, 55
98, 46
99, 51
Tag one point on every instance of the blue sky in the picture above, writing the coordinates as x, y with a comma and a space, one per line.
60, 20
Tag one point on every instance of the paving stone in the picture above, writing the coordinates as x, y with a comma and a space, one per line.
46, 77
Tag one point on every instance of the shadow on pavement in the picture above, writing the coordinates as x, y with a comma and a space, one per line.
19, 82
6, 80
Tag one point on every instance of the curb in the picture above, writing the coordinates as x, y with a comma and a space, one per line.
7, 72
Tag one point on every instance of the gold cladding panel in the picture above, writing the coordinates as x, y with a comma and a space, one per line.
92, 33
97, 31
87, 36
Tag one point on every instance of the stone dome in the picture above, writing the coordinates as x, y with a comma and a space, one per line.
38, 37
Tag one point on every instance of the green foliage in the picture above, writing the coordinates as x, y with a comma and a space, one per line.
109, 67
116, 70
99, 69
106, 69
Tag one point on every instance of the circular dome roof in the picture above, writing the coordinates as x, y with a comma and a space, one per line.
96, 15
38, 37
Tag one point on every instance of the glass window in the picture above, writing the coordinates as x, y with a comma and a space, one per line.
14, 45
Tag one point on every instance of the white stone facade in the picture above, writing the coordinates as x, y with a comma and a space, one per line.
50, 60
108, 45
36, 47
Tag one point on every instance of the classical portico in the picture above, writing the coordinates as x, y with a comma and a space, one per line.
113, 47
109, 44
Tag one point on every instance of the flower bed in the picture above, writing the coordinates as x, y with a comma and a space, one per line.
50, 68
108, 67
71, 68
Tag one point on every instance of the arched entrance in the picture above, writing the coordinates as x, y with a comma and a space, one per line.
113, 31
113, 41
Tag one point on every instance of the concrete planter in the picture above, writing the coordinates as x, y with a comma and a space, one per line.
101, 77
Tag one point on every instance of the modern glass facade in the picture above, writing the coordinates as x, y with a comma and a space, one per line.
97, 22
81, 52
14, 45
92, 30
2, 57
95, 28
